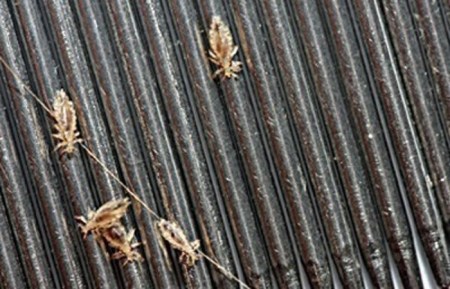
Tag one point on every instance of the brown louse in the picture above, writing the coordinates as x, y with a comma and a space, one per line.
106, 228
222, 49
104, 217
174, 235
65, 123
118, 238
218, 266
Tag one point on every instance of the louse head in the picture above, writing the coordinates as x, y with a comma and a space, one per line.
233, 69
69, 149
168, 229
188, 260
117, 207
131, 257
163, 226
216, 23
61, 99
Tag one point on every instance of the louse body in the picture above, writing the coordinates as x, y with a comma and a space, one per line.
222, 49
117, 238
106, 216
65, 123
174, 235
106, 227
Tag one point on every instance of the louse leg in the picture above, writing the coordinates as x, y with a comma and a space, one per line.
235, 69
236, 66
217, 63
117, 255
82, 220
135, 256
127, 260
130, 235
102, 245
58, 136
78, 140
217, 73
58, 146
135, 245
234, 51
214, 60
212, 55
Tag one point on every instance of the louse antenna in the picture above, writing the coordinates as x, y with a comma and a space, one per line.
224, 271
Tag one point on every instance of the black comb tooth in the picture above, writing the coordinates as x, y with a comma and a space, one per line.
210, 106
328, 150
11, 268
370, 131
430, 106
411, 159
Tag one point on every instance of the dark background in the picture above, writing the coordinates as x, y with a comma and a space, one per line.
325, 163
